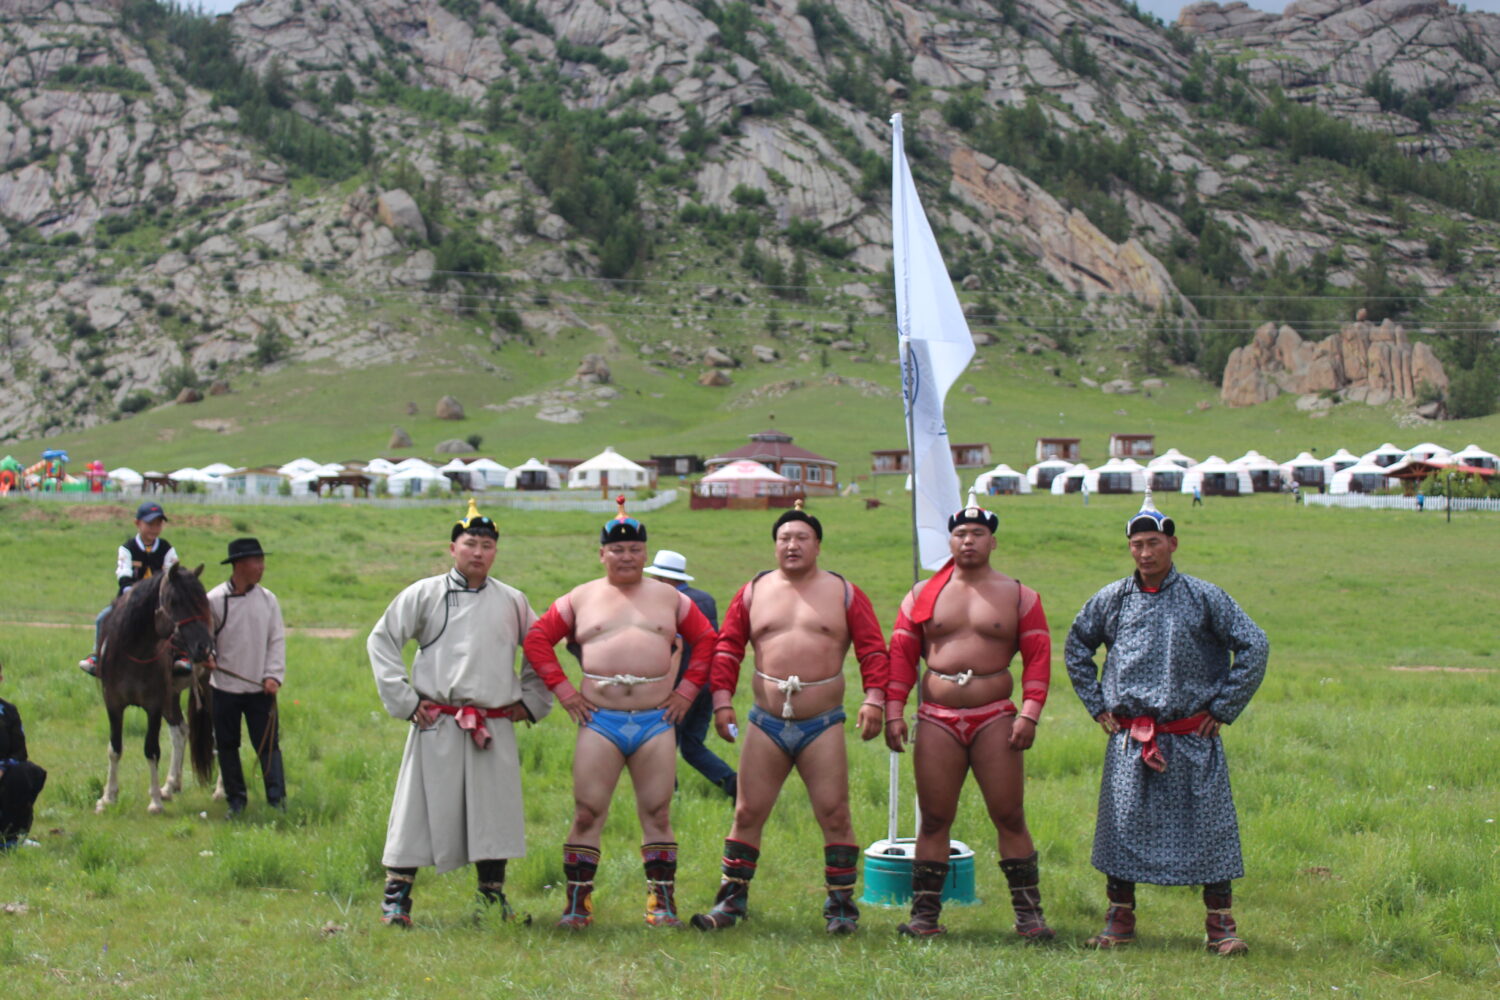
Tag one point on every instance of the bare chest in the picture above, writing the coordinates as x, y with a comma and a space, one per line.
813, 608
606, 610
989, 612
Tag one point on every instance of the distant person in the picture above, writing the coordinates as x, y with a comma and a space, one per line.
622, 627
248, 668
968, 622
1421, 501
1183, 660
801, 622
671, 567
21, 781
140, 557
1084, 489
458, 796
1197, 495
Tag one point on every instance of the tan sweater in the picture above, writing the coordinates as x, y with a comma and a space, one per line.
249, 637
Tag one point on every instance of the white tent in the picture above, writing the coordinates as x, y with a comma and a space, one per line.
1164, 473
1471, 455
1118, 475
1001, 479
1265, 474
1214, 476
1175, 457
1427, 451
1044, 472
1341, 459
1071, 481
415, 480
608, 468
218, 469
486, 473
743, 478
297, 467
379, 467
188, 474
1363, 477
126, 478
1308, 470
1386, 454
533, 475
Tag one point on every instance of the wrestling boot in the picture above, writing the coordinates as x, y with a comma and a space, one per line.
1119, 921
579, 865
660, 861
732, 904
395, 908
1024, 879
491, 889
927, 878
840, 871
1219, 923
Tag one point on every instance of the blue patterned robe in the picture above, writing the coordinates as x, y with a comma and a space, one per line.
1169, 658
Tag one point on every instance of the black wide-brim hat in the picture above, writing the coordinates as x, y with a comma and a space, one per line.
243, 548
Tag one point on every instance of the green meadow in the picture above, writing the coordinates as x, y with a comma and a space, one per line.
1364, 773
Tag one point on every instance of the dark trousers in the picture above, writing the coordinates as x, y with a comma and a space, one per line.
690, 734
19, 787
259, 712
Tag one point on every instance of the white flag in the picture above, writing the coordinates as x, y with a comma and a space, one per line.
935, 348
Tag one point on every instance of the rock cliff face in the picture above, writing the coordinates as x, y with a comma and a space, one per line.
1329, 51
1363, 362
155, 230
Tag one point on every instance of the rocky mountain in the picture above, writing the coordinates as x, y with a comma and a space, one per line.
340, 181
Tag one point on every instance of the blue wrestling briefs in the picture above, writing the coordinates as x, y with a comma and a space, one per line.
793, 735
629, 731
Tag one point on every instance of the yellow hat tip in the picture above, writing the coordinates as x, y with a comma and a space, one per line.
473, 510
798, 504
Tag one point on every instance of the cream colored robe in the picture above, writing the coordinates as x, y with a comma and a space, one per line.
454, 802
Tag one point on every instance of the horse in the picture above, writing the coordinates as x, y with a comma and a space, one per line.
146, 629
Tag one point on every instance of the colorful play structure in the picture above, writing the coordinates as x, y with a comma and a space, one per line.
50, 475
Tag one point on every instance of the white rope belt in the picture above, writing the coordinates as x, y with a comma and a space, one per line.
961, 678
621, 680
791, 685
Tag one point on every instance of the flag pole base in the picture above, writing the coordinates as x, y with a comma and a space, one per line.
888, 873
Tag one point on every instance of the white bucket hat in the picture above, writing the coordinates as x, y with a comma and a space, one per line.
669, 565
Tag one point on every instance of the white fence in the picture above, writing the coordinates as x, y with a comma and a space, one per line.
551, 501
1378, 502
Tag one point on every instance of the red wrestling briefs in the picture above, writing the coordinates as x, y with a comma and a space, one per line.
964, 724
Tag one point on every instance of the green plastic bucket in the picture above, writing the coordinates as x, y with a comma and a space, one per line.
888, 873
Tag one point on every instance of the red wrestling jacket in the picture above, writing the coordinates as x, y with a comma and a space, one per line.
859, 618
557, 624
908, 642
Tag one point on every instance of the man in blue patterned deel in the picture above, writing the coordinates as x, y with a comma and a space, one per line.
1182, 660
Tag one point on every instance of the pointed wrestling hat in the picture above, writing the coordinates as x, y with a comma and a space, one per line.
1148, 518
474, 523
972, 513
622, 527
798, 514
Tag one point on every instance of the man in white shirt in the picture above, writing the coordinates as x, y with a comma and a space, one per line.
248, 669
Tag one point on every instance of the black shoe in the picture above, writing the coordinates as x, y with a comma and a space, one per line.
731, 786
236, 809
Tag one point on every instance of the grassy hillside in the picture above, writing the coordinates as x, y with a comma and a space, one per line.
333, 413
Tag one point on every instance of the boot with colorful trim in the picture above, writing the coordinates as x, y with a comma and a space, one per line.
579, 865
1219, 923
927, 878
1119, 921
1024, 878
840, 871
660, 861
732, 904
491, 887
395, 906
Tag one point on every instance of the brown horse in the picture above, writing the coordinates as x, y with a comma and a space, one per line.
149, 625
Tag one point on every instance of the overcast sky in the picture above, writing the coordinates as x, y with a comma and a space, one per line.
1165, 9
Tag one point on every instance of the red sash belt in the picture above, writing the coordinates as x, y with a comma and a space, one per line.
1143, 730
471, 720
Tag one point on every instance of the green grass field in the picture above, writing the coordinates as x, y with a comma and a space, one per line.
1367, 795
